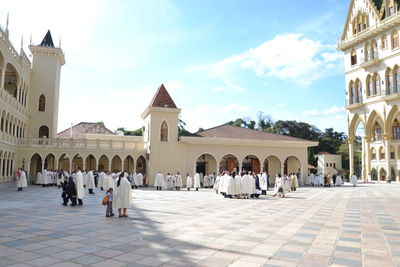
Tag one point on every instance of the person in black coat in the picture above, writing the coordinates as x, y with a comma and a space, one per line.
71, 191
64, 196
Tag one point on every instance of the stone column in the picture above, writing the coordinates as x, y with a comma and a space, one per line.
351, 156
2, 76
240, 168
109, 165
387, 142
367, 157
363, 160
1, 168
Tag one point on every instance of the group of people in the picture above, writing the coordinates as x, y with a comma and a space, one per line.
171, 181
328, 180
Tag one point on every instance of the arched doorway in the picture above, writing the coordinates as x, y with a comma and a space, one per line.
374, 175
291, 165
49, 162
116, 163
91, 162
63, 163
228, 163
251, 163
141, 165
35, 166
356, 133
128, 164
11, 80
103, 164
382, 174
77, 161
206, 164
272, 166
43, 131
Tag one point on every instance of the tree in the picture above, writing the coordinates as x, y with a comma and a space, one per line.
297, 129
101, 123
264, 122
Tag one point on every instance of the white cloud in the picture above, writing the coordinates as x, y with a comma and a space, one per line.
286, 56
333, 112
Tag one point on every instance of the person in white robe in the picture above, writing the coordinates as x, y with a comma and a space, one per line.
170, 181
39, 179
122, 195
224, 184
108, 182
178, 181
353, 180
201, 179
264, 183
85, 178
21, 179
196, 182
100, 182
279, 186
295, 182
338, 181
238, 186
189, 182
159, 182
90, 182
134, 184
80, 190
247, 186
206, 184
139, 179
59, 178
230, 187
311, 179
216, 184
44, 178
321, 180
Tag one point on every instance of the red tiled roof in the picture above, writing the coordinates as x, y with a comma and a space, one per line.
162, 99
235, 132
324, 153
79, 130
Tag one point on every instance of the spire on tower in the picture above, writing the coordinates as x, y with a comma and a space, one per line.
7, 22
47, 40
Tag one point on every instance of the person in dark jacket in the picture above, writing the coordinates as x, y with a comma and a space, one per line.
71, 191
64, 186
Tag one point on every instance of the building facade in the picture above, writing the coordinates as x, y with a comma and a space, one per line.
371, 47
29, 97
329, 163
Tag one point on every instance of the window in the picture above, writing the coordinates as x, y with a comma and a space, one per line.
360, 27
374, 50
352, 91
42, 103
384, 42
373, 154
359, 92
395, 39
381, 153
389, 82
397, 73
377, 132
353, 57
396, 130
369, 86
43, 132
391, 11
334, 165
377, 88
164, 132
366, 53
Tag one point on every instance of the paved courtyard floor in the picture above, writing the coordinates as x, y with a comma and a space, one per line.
311, 227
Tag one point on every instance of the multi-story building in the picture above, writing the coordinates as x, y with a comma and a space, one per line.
371, 47
29, 97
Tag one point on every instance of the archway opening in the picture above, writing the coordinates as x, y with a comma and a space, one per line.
382, 174
43, 132
90, 163
141, 165
128, 164
116, 164
229, 163
374, 174
206, 164
272, 165
292, 165
35, 165
251, 163
63, 163
103, 163
49, 162
11, 80
77, 161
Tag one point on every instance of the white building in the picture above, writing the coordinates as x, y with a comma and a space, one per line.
371, 47
329, 163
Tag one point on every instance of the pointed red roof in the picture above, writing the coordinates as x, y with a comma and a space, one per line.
162, 99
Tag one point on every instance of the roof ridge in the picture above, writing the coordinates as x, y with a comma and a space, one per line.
162, 98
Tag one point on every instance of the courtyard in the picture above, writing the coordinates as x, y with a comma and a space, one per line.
343, 226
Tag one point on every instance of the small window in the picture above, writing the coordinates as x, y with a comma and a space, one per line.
373, 154
42, 103
377, 132
391, 155
382, 154
391, 11
353, 57
327, 165
384, 42
164, 132
395, 39
396, 130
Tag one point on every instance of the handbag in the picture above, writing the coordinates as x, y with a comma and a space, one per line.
105, 200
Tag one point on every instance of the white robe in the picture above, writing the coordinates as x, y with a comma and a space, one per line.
108, 182
279, 183
39, 179
85, 178
139, 179
122, 195
230, 186
264, 182
45, 177
21, 180
216, 184
90, 180
238, 185
246, 185
134, 179
295, 181
353, 180
80, 191
338, 181
189, 181
196, 181
100, 182
159, 181
178, 180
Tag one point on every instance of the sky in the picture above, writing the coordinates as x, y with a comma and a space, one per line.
219, 60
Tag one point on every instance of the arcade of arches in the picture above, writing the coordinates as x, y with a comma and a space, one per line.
207, 164
7, 165
380, 144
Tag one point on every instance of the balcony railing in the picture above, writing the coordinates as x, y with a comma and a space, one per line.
19, 57
12, 101
370, 60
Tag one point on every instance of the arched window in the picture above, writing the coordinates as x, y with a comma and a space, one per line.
164, 132
369, 86
43, 131
352, 93
367, 53
373, 154
395, 39
391, 11
381, 153
377, 84
42, 103
391, 152
384, 42
353, 57
389, 82
359, 92
377, 132
374, 47
396, 129
397, 76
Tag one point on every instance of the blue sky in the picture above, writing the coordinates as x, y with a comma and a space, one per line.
220, 60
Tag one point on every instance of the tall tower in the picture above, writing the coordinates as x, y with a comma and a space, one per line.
45, 88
